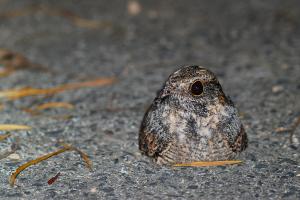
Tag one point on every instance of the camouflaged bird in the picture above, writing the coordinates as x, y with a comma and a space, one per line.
191, 119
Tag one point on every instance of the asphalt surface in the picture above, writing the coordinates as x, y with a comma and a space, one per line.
253, 47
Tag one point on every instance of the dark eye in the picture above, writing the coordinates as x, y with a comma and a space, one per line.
197, 88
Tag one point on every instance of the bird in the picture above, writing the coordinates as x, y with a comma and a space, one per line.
191, 119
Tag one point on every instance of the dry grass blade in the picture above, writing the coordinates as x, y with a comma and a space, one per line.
53, 11
4, 136
81, 22
66, 147
88, 162
83, 155
54, 105
13, 127
61, 117
282, 129
20, 93
37, 110
14, 175
208, 163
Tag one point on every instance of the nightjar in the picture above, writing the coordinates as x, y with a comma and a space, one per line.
191, 119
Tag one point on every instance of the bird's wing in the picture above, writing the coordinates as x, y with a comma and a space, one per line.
241, 141
153, 133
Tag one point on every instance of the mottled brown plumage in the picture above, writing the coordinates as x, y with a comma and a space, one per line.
191, 119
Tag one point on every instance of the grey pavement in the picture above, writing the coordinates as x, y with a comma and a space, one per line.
253, 46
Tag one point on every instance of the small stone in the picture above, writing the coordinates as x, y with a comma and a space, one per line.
93, 190
123, 171
277, 88
14, 156
134, 7
295, 140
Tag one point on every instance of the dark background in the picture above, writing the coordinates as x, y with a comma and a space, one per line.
253, 46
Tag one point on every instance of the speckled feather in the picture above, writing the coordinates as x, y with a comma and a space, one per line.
182, 127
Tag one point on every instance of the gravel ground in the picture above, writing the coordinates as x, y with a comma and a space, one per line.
253, 47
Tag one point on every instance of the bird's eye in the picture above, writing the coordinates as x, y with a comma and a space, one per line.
196, 88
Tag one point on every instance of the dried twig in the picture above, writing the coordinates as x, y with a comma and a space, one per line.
55, 105
53, 11
20, 93
84, 156
61, 117
33, 162
37, 110
208, 163
66, 147
13, 127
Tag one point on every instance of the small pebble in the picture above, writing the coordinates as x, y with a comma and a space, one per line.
93, 190
14, 156
277, 88
134, 8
